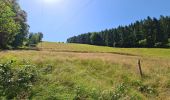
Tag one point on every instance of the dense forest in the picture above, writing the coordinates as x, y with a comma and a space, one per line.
14, 30
150, 32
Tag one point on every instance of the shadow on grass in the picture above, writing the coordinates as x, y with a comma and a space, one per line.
20, 49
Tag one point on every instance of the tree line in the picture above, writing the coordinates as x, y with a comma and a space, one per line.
150, 32
14, 30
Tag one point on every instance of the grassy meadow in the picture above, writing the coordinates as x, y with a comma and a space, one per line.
86, 72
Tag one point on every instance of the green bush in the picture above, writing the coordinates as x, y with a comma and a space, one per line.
120, 92
81, 94
16, 83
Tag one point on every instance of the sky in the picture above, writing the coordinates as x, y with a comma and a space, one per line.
61, 19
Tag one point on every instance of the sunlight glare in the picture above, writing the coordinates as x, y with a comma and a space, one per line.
51, 1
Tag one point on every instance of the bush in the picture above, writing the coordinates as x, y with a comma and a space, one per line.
120, 92
16, 84
144, 88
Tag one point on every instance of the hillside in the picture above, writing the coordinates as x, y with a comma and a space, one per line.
83, 48
81, 72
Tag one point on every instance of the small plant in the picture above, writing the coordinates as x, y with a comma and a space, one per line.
143, 88
80, 94
16, 83
146, 89
120, 92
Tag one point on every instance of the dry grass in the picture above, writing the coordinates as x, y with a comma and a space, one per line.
96, 68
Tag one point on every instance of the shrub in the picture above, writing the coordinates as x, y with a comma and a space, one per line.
144, 88
147, 89
81, 94
120, 92
16, 83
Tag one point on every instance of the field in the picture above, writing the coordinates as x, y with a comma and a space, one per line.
86, 72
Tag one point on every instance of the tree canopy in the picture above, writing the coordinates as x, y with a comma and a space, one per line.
8, 26
35, 38
150, 32
14, 30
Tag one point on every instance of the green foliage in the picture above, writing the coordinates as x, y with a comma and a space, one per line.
21, 37
80, 94
143, 43
120, 92
144, 88
96, 39
9, 28
14, 29
16, 83
150, 32
35, 38
95, 75
21, 19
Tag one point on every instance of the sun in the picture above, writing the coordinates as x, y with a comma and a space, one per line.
51, 1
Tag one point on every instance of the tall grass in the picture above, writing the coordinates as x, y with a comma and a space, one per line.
80, 72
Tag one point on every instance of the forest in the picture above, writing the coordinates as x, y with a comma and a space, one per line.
147, 33
14, 30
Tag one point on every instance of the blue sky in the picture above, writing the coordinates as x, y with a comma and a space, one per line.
61, 19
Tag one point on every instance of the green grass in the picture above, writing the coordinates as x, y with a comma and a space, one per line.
155, 52
86, 72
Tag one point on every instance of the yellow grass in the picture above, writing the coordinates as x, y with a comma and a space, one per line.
95, 67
